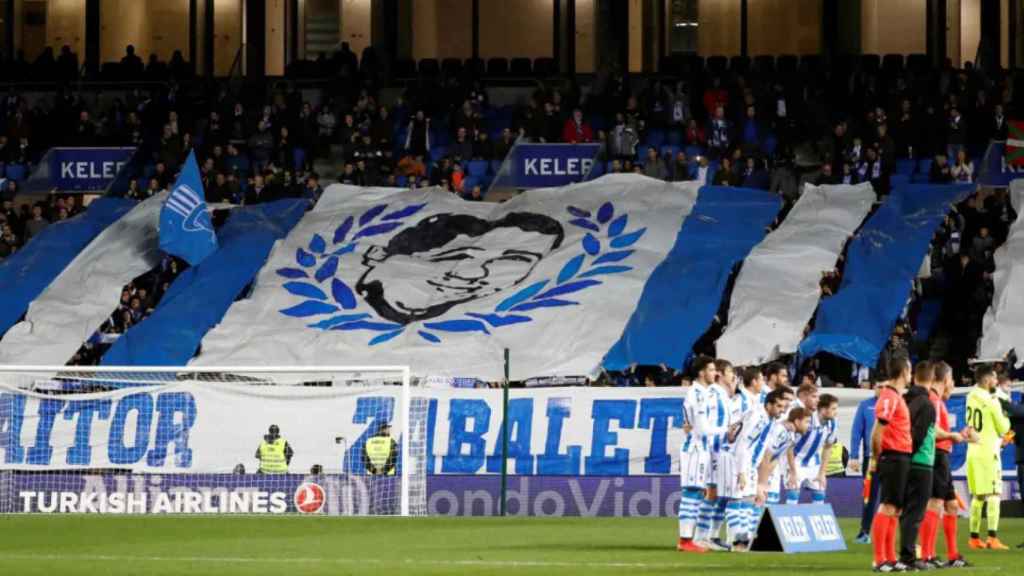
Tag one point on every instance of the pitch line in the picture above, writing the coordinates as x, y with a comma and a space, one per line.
405, 562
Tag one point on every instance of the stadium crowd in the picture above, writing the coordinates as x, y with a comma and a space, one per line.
766, 124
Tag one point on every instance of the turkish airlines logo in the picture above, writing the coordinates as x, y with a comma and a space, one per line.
309, 498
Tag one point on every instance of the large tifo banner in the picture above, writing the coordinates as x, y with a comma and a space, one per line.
378, 276
212, 428
86, 169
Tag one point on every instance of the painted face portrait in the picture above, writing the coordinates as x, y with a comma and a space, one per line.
451, 259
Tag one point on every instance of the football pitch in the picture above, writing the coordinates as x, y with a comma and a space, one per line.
101, 545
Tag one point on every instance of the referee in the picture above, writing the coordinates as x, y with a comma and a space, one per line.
891, 441
923, 413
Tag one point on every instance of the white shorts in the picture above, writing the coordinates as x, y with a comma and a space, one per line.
694, 469
714, 461
728, 475
807, 477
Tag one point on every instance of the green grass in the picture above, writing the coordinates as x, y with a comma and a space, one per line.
99, 545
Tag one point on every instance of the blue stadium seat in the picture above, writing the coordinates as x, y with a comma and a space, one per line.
299, 158
402, 181
438, 152
477, 168
674, 137
495, 167
897, 180
670, 150
468, 182
655, 138
693, 151
924, 166
16, 172
906, 166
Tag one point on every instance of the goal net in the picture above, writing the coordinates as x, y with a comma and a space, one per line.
335, 441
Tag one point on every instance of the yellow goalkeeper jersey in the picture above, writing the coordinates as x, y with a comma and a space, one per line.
985, 415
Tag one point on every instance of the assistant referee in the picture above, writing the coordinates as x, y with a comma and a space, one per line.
891, 440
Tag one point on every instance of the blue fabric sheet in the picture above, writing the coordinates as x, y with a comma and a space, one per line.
881, 263
200, 296
685, 291
29, 271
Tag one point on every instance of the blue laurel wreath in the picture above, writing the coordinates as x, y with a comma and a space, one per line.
605, 246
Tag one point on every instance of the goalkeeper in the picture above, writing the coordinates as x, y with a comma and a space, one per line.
984, 467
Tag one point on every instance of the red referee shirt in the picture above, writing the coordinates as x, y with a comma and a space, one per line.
946, 445
891, 410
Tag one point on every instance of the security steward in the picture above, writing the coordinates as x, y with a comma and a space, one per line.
380, 453
274, 453
838, 459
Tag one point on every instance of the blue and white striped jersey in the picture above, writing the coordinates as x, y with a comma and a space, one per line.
754, 440
695, 416
717, 410
807, 448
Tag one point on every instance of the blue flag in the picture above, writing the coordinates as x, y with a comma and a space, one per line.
185, 227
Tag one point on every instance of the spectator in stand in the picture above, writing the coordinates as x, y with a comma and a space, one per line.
725, 176
940, 172
682, 171
956, 132
871, 169
131, 64
36, 224
999, 129
576, 131
654, 166
825, 177
720, 137
963, 170
457, 178
483, 149
475, 195
754, 175
752, 134
85, 130
462, 148
701, 172
412, 167
217, 191
886, 148
715, 97
694, 134
623, 139
678, 107
981, 248
504, 144
417, 139
8, 241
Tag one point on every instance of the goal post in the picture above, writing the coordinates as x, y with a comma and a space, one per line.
336, 440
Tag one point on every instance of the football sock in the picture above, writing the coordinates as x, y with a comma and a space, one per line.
992, 512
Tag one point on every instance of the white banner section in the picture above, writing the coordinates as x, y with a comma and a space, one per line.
211, 428
777, 289
425, 279
1003, 328
84, 295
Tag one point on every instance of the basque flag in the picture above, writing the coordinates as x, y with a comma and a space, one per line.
185, 226
1015, 143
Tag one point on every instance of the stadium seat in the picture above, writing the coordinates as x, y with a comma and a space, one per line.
16, 172
674, 137
870, 63
495, 167
451, 66
438, 152
717, 64
402, 181
765, 64
655, 137
477, 168
693, 151
497, 67
299, 158
429, 67
545, 67
897, 180
521, 67
475, 67
693, 65
739, 64
787, 65
669, 150
906, 166
924, 166
892, 63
